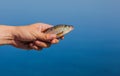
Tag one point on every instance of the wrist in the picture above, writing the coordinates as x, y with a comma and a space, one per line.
6, 34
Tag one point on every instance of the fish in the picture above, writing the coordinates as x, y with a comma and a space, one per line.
60, 30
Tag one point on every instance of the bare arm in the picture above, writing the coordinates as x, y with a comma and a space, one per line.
6, 34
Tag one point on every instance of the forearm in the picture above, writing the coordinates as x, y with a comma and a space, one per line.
6, 34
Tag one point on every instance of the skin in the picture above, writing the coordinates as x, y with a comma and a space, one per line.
27, 37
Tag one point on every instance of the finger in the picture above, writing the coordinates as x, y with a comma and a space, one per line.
42, 44
33, 46
54, 41
46, 37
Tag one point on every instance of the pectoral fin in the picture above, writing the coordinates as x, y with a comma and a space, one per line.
60, 34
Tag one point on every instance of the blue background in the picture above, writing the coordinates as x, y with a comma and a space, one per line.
92, 49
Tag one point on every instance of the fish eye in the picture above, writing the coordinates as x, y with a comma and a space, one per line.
65, 25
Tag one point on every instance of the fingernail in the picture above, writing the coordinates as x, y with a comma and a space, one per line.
52, 36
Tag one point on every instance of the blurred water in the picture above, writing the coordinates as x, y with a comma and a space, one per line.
92, 49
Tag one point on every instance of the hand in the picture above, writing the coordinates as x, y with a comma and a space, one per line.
32, 37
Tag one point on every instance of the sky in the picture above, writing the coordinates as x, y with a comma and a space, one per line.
91, 49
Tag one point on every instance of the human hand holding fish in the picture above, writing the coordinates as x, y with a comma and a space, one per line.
35, 36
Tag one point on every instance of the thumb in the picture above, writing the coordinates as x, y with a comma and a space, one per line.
46, 37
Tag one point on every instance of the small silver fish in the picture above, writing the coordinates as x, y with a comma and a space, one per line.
59, 30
